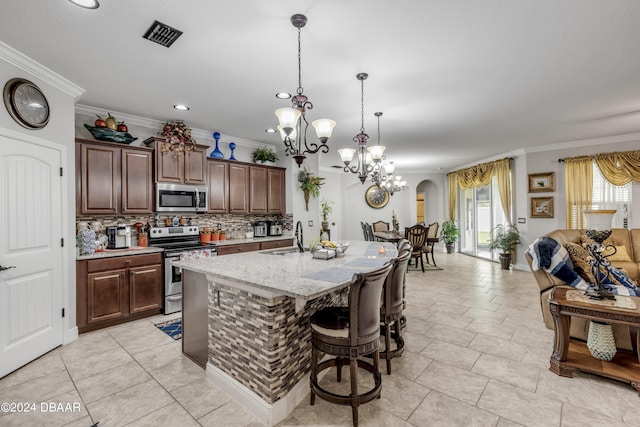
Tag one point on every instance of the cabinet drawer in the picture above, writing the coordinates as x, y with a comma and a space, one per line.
273, 244
236, 249
123, 262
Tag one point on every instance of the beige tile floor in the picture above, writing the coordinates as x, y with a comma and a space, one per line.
477, 354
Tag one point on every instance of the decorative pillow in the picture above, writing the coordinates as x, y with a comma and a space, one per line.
577, 251
585, 240
580, 259
621, 254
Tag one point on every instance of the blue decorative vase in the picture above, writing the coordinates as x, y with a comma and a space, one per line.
232, 146
216, 154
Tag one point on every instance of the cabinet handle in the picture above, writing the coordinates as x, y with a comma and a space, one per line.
128, 261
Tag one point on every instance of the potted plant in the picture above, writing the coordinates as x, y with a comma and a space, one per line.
264, 155
325, 205
309, 184
449, 234
505, 238
205, 235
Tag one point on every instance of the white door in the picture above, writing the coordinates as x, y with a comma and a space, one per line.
30, 231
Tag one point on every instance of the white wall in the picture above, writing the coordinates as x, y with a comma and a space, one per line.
59, 132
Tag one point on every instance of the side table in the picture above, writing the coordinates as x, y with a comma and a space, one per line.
570, 355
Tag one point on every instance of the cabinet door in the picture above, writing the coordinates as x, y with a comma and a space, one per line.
238, 188
145, 288
99, 179
218, 181
106, 296
257, 189
169, 166
195, 166
137, 181
276, 200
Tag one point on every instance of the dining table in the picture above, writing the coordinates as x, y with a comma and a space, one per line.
388, 236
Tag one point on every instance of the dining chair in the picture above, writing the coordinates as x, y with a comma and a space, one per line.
380, 226
417, 236
370, 236
432, 239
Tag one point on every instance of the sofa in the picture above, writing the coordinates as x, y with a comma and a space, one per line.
630, 239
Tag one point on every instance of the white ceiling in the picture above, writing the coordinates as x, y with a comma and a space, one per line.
457, 80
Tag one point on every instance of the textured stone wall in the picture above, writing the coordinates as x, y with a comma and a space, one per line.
262, 343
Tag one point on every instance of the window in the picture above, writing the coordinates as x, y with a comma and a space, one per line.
608, 196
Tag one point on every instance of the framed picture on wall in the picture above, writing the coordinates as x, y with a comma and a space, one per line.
542, 207
542, 182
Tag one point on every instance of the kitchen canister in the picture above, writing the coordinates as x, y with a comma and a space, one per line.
600, 341
87, 241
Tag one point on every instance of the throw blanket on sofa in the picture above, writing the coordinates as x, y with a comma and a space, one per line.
548, 254
551, 256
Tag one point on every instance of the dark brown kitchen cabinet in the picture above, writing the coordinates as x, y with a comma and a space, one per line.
238, 188
218, 181
116, 290
276, 191
137, 181
113, 180
258, 189
187, 168
239, 248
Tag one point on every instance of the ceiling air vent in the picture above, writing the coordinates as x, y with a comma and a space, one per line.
162, 34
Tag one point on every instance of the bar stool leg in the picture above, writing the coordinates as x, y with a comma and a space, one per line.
314, 374
387, 346
353, 365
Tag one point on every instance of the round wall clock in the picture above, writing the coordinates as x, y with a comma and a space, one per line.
376, 197
26, 103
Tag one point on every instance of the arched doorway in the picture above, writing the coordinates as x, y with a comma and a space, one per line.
428, 202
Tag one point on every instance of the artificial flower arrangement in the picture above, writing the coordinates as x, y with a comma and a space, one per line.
310, 184
177, 138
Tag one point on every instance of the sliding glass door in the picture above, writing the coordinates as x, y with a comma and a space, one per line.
480, 212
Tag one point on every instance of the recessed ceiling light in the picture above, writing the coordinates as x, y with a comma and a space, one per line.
181, 107
270, 130
283, 95
87, 4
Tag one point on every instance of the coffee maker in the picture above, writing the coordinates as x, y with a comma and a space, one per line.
119, 237
274, 228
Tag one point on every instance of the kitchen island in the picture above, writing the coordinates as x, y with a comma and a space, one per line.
256, 308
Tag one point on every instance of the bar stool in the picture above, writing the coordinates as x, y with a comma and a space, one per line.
393, 304
347, 333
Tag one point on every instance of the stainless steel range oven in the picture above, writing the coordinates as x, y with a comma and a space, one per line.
178, 243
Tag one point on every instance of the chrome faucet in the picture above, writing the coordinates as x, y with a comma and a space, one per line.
299, 236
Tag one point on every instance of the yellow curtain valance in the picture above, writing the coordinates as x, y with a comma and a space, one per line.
480, 175
620, 168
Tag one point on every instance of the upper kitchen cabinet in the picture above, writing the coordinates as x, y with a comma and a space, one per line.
111, 179
188, 168
238, 188
218, 175
276, 191
258, 189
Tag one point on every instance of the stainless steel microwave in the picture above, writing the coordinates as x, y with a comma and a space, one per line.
181, 198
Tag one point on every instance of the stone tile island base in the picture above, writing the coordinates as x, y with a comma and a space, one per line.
260, 347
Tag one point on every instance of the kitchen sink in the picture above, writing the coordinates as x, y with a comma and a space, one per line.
284, 251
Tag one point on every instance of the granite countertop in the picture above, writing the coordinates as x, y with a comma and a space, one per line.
110, 253
293, 274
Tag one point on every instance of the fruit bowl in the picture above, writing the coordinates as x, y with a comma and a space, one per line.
110, 135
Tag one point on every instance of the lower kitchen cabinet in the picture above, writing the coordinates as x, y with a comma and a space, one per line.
116, 290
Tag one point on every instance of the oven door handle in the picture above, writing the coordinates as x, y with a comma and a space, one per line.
174, 298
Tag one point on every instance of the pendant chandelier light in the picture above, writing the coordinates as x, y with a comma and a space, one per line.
369, 159
291, 128
389, 181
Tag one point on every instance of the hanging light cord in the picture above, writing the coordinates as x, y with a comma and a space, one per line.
300, 90
362, 105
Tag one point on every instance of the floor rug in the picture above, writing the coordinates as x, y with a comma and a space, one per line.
173, 328
427, 267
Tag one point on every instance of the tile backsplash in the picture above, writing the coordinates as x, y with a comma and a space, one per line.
227, 222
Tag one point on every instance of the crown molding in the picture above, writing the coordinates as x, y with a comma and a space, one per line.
199, 134
31, 67
585, 143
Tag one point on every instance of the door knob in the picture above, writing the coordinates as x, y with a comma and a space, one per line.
6, 268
